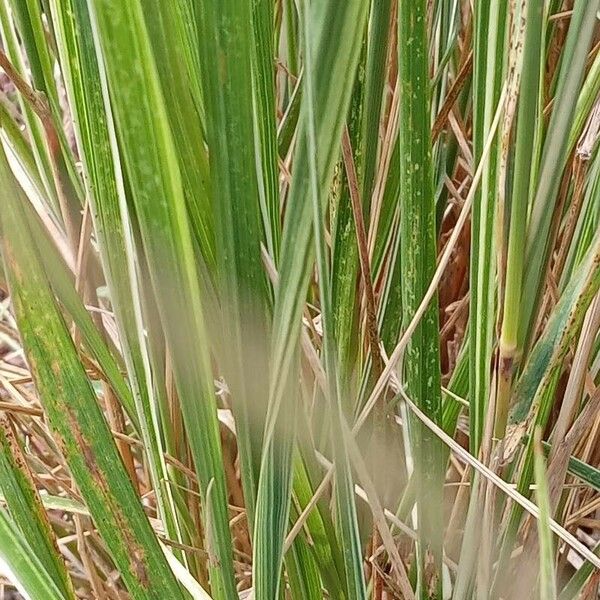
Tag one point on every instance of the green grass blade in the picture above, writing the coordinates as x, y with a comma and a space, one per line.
28, 17
216, 313
375, 76
39, 148
515, 262
572, 590
24, 564
320, 526
18, 145
344, 268
344, 487
27, 511
584, 472
229, 101
388, 240
180, 79
73, 412
554, 158
94, 128
62, 281
264, 117
555, 341
58, 268
304, 580
587, 223
353, 307
536, 388
585, 102
547, 575
418, 247
39, 52
489, 63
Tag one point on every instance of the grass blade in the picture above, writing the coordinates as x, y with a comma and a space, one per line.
157, 192
264, 118
515, 264
73, 412
229, 100
554, 157
24, 563
547, 574
27, 511
344, 487
489, 62
94, 128
180, 77
418, 247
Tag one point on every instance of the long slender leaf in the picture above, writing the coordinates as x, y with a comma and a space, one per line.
225, 30
26, 509
74, 414
24, 563
547, 574
418, 247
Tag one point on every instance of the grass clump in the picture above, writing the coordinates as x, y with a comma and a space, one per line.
299, 299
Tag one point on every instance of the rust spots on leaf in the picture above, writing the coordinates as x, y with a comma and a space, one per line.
136, 553
12, 446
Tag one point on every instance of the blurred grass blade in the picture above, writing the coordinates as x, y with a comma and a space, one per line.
225, 31
344, 486
150, 158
